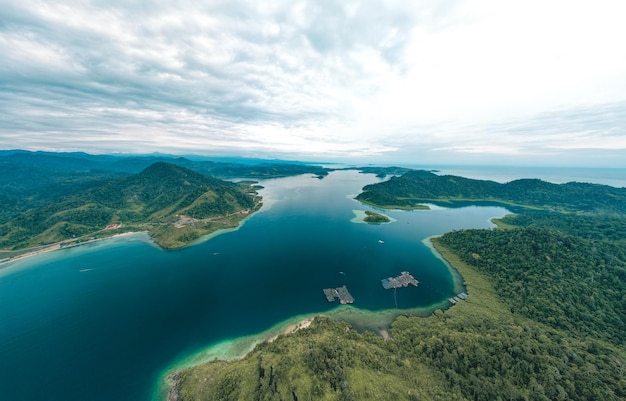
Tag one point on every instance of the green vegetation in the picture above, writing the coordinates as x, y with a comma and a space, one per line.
327, 361
174, 204
604, 226
417, 187
570, 283
545, 317
382, 172
32, 180
375, 218
406, 204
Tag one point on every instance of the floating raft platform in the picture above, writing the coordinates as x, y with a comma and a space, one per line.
457, 298
340, 293
403, 280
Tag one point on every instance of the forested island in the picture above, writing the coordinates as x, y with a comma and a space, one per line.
545, 318
375, 218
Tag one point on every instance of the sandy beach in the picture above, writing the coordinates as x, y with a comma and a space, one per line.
293, 328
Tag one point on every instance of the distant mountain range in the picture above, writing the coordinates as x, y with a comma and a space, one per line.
34, 179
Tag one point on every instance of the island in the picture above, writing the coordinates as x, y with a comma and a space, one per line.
375, 218
542, 317
370, 217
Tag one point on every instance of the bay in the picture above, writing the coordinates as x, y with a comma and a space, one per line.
104, 321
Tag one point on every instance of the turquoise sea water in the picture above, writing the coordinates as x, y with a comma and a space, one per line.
103, 321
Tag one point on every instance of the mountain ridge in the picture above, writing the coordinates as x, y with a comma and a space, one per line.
153, 200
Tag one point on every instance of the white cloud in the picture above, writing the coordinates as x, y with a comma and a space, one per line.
382, 79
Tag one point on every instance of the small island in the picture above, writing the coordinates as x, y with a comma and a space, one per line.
375, 218
369, 217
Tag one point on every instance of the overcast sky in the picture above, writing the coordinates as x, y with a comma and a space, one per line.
513, 82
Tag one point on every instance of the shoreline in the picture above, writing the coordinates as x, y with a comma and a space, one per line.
458, 280
227, 350
301, 325
220, 231
377, 321
58, 246
361, 320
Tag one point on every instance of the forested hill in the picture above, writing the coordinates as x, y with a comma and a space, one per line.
163, 190
153, 187
415, 187
153, 200
35, 179
571, 283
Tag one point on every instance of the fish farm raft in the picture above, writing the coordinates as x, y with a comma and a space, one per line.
341, 293
403, 280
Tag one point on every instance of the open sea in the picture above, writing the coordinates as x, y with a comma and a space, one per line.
615, 177
106, 320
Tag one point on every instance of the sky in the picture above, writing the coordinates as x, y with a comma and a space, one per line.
438, 81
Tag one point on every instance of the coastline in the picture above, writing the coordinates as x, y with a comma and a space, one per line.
482, 298
228, 350
419, 206
59, 245
379, 322
221, 231
238, 348
438, 250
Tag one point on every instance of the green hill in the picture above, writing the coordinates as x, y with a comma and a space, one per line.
32, 180
174, 204
417, 187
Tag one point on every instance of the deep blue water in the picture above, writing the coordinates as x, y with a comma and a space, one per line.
102, 321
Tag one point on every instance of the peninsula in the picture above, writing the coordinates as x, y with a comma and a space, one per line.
417, 187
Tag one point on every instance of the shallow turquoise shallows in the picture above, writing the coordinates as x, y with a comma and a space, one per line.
103, 321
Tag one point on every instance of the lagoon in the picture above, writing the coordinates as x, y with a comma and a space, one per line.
104, 321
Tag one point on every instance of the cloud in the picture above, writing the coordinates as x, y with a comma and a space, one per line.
382, 79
